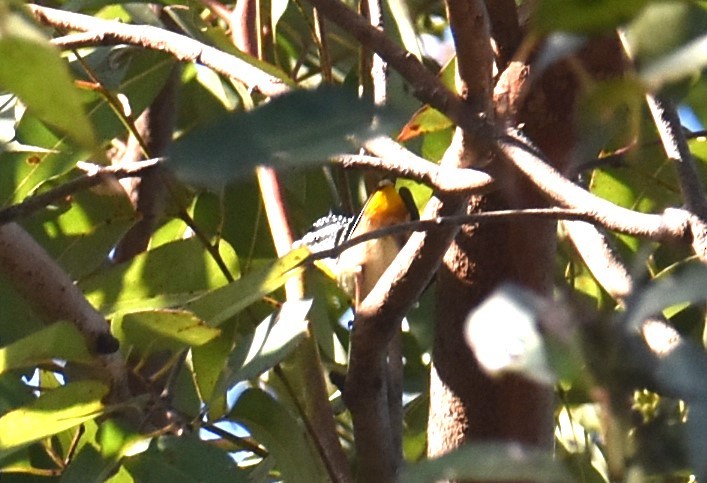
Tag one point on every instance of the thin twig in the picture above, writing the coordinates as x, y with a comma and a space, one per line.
95, 175
454, 220
245, 443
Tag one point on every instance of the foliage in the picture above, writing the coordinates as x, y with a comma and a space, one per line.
202, 320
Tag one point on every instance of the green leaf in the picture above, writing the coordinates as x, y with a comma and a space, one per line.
299, 128
687, 61
273, 340
584, 16
33, 69
138, 75
58, 341
219, 305
81, 232
86, 465
54, 412
155, 330
489, 461
427, 119
405, 26
158, 278
282, 434
415, 427
208, 363
184, 459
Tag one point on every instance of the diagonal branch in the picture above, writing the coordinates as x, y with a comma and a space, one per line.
425, 85
39, 279
95, 175
106, 32
673, 224
676, 148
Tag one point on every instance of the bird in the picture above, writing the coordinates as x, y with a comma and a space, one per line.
358, 268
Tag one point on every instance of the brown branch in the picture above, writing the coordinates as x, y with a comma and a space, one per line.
392, 158
673, 224
377, 320
53, 296
505, 29
105, 32
467, 181
676, 148
95, 175
425, 85
471, 31
600, 258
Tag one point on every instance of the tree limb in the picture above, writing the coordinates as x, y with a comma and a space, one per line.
395, 159
673, 224
106, 32
40, 280
676, 148
425, 85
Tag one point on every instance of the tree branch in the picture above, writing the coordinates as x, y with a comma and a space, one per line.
391, 157
442, 222
505, 29
105, 32
471, 31
53, 296
94, 176
425, 86
673, 224
676, 148
600, 258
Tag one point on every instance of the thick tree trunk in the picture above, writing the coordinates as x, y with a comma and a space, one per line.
466, 404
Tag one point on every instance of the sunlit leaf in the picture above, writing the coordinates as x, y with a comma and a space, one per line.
219, 305
154, 330
58, 341
32, 69
426, 119
80, 232
405, 26
686, 286
138, 76
299, 128
54, 411
273, 340
282, 435
159, 278
209, 361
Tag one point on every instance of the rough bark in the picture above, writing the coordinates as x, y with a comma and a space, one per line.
466, 404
